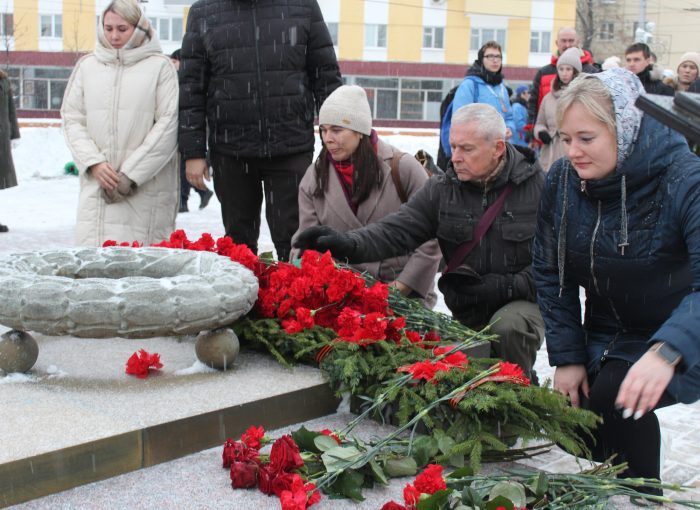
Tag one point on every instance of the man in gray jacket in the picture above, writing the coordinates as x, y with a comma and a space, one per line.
493, 284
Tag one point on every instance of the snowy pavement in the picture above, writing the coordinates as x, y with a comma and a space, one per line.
41, 215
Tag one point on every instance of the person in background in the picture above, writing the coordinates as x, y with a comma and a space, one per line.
568, 68
486, 282
611, 62
254, 73
638, 61
483, 84
9, 136
620, 217
358, 179
519, 103
686, 72
542, 83
204, 194
120, 122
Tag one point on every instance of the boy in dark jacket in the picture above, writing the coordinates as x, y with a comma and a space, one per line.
493, 284
253, 73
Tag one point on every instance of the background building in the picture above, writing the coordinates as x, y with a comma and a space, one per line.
406, 53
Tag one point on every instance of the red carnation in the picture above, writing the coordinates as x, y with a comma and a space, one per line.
140, 362
244, 475
284, 455
235, 451
430, 480
411, 495
329, 433
252, 437
393, 505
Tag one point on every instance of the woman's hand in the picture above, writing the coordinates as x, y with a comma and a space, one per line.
643, 385
569, 379
401, 287
105, 175
197, 171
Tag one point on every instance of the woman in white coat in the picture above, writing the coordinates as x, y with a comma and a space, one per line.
120, 113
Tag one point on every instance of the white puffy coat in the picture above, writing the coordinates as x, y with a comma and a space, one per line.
121, 106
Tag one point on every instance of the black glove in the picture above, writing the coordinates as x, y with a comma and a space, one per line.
472, 300
322, 238
544, 137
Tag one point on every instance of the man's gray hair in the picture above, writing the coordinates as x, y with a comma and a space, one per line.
489, 121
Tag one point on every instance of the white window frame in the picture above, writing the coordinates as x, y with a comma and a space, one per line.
157, 21
53, 26
375, 36
542, 46
481, 31
607, 31
434, 38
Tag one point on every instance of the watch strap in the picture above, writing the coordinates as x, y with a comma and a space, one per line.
669, 353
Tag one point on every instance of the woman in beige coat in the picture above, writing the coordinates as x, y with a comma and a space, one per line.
568, 68
350, 185
120, 113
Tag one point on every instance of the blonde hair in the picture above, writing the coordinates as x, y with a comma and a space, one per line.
127, 9
593, 95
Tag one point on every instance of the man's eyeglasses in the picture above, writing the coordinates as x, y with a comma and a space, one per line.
493, 57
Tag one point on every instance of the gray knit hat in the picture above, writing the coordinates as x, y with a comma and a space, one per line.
347, 107
690, 56
571, 57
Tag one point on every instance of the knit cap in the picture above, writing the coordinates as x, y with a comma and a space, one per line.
571, 57
347, 107
520, 90
690, 56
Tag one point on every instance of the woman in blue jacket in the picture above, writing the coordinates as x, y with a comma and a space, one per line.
620, 217
483, 84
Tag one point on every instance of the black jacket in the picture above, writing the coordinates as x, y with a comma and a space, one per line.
651, 79
498, 270
648, 294
255, 71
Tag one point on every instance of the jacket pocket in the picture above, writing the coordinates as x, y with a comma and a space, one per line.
455, 229
517, 244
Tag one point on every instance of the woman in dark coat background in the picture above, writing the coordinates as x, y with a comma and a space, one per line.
620, 217
9, 130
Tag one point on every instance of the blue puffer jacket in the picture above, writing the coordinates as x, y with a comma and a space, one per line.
648, 294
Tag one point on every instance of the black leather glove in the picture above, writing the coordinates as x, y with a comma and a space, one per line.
322, 238
544, 137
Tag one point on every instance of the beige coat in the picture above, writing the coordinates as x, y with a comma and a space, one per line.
121, 106
417, 269
547, 120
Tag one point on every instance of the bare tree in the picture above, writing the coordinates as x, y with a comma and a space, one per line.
585, 22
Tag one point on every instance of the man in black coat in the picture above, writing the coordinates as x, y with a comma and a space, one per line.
253, 73
639, 61
492, 284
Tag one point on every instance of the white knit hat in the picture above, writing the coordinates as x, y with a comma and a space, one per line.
572, 57
690, 56
347, 107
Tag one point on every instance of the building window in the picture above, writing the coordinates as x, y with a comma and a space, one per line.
7, 26
607, 31
433, 37
333, 30
540, 42
375, 36
51, 25
404, 98
39, 88
169, 29
483, 35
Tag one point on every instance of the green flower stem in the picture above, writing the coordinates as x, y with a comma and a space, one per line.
329, 478
401, 381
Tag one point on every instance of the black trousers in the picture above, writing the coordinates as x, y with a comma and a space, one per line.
636, 442
239, 184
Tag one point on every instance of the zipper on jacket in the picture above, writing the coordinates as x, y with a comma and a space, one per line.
263, 120
484, 201
583, 186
